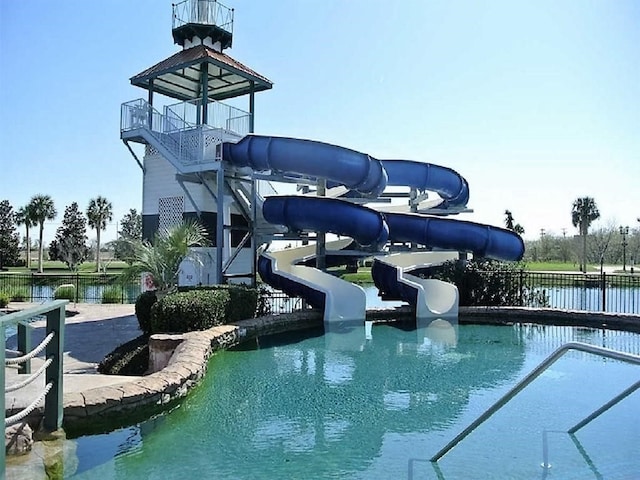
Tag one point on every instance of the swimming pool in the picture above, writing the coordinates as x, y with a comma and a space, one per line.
380, 403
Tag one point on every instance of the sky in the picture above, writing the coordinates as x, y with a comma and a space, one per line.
535, 103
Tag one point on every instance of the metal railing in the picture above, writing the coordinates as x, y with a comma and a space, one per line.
33, 287
605, 292
535, 373
203, 12
169, 131
52, 344
220, 115
184, 143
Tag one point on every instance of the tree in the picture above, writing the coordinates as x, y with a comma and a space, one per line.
161, 258
70, 244
42, 209
508, 222
131, 229
9, 238
583, 213
24, 216
99, 212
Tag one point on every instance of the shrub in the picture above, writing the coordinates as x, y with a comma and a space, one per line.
243, 300
189, 311
20, 295
4, 299
483, 282
65, 292
144, 302
263, 303
131, 358
113, 294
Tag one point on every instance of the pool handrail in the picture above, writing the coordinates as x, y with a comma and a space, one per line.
535, 373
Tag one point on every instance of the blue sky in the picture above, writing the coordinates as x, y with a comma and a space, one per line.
534, 103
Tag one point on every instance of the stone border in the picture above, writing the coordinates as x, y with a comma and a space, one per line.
102, 409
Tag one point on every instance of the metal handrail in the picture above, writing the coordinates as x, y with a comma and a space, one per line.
535, 373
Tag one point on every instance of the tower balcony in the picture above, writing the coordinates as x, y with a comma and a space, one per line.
202, 19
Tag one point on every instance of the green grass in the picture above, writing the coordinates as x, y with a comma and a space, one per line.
557, 267
49, 266
362, 277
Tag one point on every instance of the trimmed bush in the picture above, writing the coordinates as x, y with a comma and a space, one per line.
4, 299
144, 302
189, 311
65, 292
112, 294
243, 300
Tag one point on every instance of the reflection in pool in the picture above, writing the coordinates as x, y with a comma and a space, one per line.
377, 403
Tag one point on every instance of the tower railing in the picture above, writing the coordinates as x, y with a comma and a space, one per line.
203, 12
219, 115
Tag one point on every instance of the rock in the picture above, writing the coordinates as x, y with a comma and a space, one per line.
18, 439
161, 348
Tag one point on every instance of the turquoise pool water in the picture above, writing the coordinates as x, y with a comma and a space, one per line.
378, 404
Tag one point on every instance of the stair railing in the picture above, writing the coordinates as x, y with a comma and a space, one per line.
535, 373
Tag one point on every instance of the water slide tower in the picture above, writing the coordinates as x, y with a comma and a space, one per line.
182, 124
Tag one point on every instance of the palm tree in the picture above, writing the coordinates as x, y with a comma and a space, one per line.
42, 209
508, 222
24, 216
583, 213
508, 219
99, 212
161, 258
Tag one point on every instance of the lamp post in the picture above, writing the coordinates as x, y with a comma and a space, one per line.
624, 231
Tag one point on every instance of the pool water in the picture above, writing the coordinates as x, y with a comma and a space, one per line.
378, 403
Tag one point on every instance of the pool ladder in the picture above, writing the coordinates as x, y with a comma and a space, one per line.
535, 373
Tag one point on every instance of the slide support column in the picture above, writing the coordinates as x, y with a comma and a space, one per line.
321, 250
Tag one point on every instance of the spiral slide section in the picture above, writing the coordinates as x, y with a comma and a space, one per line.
355, 170
447, 183
340, 300
431, 298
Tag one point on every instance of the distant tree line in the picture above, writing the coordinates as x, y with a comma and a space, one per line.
611, 244
70, 242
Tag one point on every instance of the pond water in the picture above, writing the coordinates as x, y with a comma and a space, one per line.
379, 402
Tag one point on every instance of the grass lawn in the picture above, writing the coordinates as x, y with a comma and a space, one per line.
557, 267
60, 268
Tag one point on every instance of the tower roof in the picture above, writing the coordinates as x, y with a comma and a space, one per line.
179, 76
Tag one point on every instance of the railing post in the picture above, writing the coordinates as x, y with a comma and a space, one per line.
53, 406
603, 286
78, 284
24, 346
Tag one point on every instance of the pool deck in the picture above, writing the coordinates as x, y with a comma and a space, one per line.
91, 332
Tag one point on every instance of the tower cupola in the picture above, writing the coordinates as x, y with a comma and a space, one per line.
202, 22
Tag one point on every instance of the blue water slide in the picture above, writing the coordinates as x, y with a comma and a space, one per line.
364, 225
447, 183
352, 169
483, 240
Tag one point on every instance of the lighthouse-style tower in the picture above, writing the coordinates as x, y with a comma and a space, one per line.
183, 172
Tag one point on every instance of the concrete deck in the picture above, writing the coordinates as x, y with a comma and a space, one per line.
91, 332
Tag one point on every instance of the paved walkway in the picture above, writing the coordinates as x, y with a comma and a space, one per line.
91, 332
